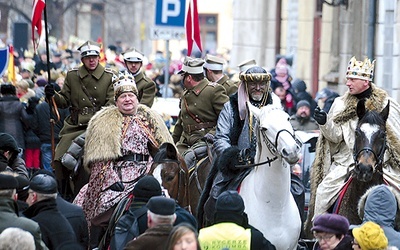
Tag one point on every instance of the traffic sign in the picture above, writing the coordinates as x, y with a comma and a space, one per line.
166, 33
170, 13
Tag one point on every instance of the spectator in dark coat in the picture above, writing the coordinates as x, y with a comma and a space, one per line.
299, 93
76, 218
41, 127
12, 114
327, 96
8, 211
56, 230
9, 159
160, 218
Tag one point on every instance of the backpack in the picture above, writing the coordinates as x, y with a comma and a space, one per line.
126, 229
123, 225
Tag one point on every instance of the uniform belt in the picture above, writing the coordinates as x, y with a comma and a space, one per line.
134, 157
87, 110
199, 126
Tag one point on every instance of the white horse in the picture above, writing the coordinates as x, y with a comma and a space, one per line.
269, 204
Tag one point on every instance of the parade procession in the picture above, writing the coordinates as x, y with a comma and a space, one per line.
199, 124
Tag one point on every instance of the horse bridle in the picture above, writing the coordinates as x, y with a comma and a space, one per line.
181, 175
272, 147
378, 158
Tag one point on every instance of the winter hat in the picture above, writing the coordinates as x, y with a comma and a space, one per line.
41, 82
302, 103
331, 223
44, 182
8, 142
370, 236
8, 182
23, 187
229, 201
161, 205
147, 187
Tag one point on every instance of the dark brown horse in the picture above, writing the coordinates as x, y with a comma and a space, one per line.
369, 150
170, 169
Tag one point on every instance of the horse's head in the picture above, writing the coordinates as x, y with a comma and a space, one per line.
170, 170
275, 132
370, 141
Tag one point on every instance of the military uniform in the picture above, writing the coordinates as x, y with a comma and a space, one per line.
229, 85
146, 88
100, 88
203, 103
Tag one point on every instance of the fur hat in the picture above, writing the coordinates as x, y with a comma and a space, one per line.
302, 103
370, 236
331, 223
147, 187
161, 205
44, 182
8, 182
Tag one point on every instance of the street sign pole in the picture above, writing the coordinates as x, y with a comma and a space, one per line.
166, 73
169, 24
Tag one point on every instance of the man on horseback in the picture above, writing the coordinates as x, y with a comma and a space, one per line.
334, 157
200, 106
116, 153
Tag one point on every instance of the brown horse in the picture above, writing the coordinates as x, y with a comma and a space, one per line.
368, 152
170, 169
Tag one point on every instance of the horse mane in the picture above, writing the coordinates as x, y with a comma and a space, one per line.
371, 117
164, 153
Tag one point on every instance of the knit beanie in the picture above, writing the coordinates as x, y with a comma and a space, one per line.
147, 187
331, 223
370, 236
302, 103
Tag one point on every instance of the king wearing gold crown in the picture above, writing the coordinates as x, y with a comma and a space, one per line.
334, 153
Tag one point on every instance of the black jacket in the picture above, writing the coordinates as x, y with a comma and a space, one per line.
55, 228
76, 218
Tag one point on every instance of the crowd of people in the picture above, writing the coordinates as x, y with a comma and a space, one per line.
107, 200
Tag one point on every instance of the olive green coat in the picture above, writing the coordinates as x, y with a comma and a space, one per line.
146, 89
229, 85
98, 85
205, 101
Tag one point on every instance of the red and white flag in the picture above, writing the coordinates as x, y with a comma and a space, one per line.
38, 7
193, 27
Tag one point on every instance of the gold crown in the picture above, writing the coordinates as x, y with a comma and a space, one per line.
363, 70
124, 82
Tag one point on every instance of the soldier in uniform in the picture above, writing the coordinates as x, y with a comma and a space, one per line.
146, 87
86, 89
200, 105
213, 71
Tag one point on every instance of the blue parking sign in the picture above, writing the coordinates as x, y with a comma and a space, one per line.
170, 13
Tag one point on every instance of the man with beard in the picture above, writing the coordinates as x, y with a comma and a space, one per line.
302, 120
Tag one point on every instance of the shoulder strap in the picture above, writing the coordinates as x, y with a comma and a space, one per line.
190, 113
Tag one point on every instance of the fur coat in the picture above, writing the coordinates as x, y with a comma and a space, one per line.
103, 136
336, 157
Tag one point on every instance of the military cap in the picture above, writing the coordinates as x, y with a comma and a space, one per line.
124, 82
28, 54
192, 66
133, 56
245, 65
161, 205
213, 62
8, 182
89, 48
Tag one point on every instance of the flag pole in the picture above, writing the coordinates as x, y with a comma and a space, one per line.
47, 43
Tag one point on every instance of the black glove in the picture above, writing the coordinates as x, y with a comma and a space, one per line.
32, 102
208, 138
320, 116
49, 91
246, 156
